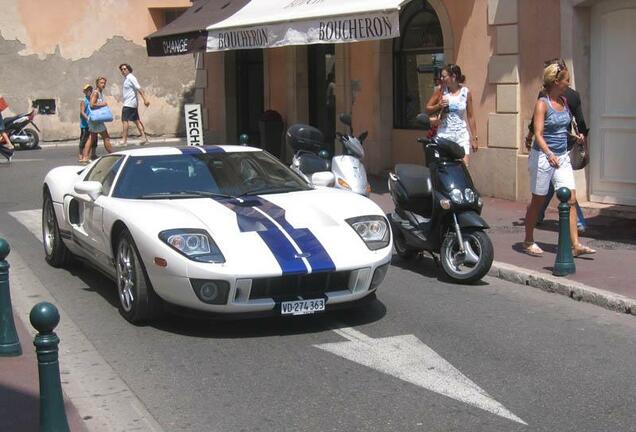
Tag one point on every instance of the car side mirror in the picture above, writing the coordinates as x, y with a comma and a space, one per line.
91, 188
423, 121
323, 178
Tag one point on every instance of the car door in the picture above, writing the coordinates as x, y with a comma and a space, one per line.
87, 227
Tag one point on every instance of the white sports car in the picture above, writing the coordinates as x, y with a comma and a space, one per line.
219, 229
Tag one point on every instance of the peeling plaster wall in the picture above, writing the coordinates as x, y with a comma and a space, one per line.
50, 49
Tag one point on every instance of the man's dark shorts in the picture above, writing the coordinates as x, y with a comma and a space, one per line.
84, 134
129, 114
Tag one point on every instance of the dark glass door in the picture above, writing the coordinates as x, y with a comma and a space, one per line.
321, 61
249, 92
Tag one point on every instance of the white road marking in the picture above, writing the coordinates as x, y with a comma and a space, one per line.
409, 359
31, 219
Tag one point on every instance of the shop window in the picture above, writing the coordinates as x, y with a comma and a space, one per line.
417, 55
44, 106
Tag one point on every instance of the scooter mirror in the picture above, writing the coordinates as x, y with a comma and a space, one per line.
363, 136
423, 121
345, 118
323, 178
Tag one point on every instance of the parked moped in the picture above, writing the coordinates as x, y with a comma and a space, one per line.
309, 158
437, 210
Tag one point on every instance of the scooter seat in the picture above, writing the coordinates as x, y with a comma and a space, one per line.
311, 163
415, 179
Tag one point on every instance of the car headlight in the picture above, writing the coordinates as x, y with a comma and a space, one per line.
195, 244
456, 196
373, 230
469, 195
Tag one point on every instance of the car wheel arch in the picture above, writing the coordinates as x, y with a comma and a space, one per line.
118, 228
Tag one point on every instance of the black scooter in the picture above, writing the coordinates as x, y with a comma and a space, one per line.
437, 209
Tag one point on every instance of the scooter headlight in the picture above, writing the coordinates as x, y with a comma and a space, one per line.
373, 230
456, 196
469, 195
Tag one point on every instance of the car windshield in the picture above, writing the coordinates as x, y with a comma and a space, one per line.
196, 175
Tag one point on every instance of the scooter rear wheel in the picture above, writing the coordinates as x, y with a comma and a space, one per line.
474, 263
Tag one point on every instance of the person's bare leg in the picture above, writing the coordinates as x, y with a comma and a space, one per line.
124, 132
142, 130
106, 139
7, 142
87, 146
532, 214
574, 232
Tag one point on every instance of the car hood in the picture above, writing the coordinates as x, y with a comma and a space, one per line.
296, 232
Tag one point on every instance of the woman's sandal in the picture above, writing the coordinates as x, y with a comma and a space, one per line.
533, 249
580, 249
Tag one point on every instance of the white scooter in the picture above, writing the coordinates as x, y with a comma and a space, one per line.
345, 171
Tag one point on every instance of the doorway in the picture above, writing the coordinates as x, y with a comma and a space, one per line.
321, 62
613, 112
249, 93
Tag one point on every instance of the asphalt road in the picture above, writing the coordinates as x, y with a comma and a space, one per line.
552, 363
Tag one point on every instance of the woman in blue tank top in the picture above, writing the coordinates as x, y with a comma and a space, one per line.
549, 160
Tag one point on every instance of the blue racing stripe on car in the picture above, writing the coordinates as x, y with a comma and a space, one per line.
213, 149
317, 255
190, 150
280, 246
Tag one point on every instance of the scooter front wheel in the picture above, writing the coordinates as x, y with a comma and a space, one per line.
469, 265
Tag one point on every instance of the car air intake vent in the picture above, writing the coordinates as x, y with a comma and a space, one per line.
293, 286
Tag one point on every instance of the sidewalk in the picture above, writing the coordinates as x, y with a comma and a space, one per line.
20, 392
132, 142
605, 278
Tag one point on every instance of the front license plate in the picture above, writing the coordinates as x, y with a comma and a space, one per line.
302, 307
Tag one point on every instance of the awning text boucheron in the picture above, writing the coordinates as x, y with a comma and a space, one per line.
253, 38
355, 29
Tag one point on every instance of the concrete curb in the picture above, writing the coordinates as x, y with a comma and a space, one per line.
574, 290
132, 142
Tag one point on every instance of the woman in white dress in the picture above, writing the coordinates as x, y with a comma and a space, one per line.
454, 103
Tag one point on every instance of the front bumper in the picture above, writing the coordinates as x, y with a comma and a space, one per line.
263, 294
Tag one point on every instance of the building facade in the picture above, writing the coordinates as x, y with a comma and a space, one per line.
50, 49
500, 45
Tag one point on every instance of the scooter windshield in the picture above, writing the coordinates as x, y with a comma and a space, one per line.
454, 176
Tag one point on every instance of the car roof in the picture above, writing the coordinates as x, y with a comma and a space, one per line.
158, 151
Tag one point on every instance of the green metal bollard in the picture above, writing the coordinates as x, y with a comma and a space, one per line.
564, 263
9, 341
44, 318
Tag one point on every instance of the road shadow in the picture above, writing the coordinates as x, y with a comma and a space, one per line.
425, 266
179, 322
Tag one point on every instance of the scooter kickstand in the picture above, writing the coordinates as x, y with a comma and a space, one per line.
437, 263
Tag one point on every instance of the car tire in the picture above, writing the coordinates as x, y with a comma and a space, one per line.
138, 302
56, 252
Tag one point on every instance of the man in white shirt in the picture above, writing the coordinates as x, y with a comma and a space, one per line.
129, 111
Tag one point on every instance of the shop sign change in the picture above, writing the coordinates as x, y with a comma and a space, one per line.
194, 124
